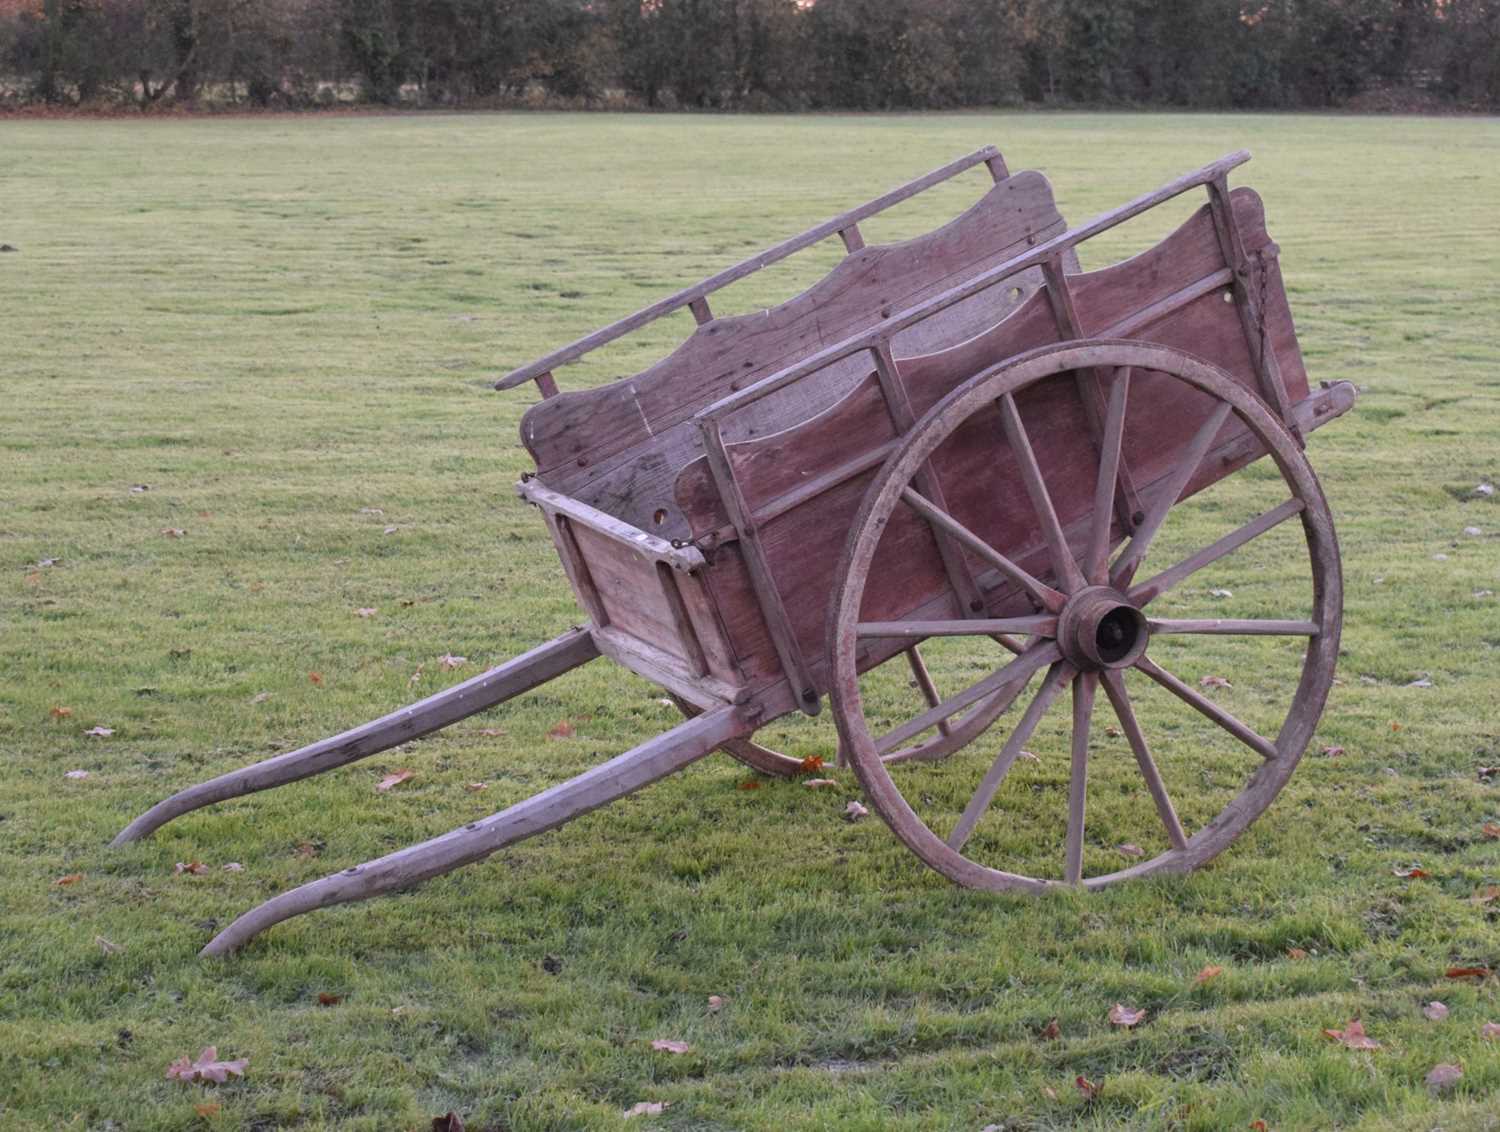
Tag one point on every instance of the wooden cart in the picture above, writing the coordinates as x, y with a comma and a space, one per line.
962, 436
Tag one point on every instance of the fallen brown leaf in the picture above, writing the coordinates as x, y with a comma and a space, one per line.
208, 1109
100, 732
1491, 830
234, 867
1353, 1035
715, 1003
476, 787
1051, 1031
1412, 873
854, 811
395, 778
77, 774
326, 999
1089, 1090
1125, 1016
1295, 953
1490, 1031
1468, 972
562, 730
748, 784
108, 947
173, 532
1215, 682
365, 611
1435, 1011
1442, 1077
207, 1067
1333, 752
448, 1122
1130, 849
1210, 972
811, 765
670, 1045
1257, 1126
448, 660
60, 712
307, 849
195, 868
819, 783
71, 878
1487, 895
315, 677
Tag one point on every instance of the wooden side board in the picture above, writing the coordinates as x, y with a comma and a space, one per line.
619, 448
803, 481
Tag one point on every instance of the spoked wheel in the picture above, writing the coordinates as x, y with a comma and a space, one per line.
1089, 622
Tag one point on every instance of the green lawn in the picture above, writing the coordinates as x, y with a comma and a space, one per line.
286, 329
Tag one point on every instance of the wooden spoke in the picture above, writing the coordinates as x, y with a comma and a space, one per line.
1041, 654
1057, 679
1084, 686
1166, 497
1064, 565
1238, 627
1096, 557
1159, 584
1206, 707
1114, 688
924, 681
1044, 594
1031, 626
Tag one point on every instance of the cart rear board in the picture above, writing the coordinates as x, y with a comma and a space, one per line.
962, 435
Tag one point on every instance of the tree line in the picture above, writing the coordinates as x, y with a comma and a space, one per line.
754, 54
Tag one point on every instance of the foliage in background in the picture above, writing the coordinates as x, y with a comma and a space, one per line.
756, 54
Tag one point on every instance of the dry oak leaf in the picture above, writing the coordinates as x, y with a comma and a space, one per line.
1490, 1031
173, 532
492, 732
194, 868
562, 730
1435, 1011
1487, 772
1487, 895
260, 697
645, 1108
1213, 971
1029, 757
306, 849
365, 611
1491, 830
100, 732
1413, 873
107, 946
234, 867
1130, 849
1295, 953
60, 712
1257, 1126
71, 878
1214, 682
854, 811
1051, 1031
1124, 1016
1467, 973
748, 784
315, 677
448, 660
1088, 1088
76, 774
395, 778
670, 1045
208, 1109
207, 1067
1353, 1035
818, 783
811, 765
476, 787
448, 1122
715, 1003
1333, 752
1442, 1077
326, 999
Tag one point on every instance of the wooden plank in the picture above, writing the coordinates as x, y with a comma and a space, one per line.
476, 694
624, 774
684, 558
589, 342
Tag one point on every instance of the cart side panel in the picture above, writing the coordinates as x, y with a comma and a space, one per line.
619, 447
805, 482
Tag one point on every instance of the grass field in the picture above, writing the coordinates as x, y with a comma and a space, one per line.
286, 329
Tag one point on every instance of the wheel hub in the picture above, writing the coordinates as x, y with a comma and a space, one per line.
1099, 628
